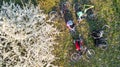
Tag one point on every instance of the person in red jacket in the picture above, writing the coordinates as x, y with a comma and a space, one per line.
78, 44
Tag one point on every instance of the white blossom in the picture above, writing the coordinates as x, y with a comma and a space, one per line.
25, 37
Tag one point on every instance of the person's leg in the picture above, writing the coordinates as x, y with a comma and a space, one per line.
79, 19
66, 17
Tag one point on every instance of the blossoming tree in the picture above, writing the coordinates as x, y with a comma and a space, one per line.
26, 40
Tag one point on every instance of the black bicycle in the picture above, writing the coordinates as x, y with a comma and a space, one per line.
99, 39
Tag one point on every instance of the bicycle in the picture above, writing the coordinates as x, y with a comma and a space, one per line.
83, 12
76, 56
53, 16
99, 40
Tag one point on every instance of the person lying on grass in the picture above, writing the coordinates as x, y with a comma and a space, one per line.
82, 13
67, 16
78, 42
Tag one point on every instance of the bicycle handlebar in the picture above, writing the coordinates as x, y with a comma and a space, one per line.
105, 26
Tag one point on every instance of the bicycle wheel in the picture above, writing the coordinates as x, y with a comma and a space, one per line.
90, 14
65, 5
76, 57
104, 46
106, 29
90, 53
68, 4
53, 16
76, 7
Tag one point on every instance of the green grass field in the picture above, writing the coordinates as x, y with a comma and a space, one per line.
107, 13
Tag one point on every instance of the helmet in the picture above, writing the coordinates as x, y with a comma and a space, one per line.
70, 22
79, 14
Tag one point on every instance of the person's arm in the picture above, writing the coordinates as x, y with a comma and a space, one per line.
69, 27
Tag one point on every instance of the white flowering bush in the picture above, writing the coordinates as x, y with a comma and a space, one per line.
26, 40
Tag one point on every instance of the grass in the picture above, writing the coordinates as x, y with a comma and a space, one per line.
107, 13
